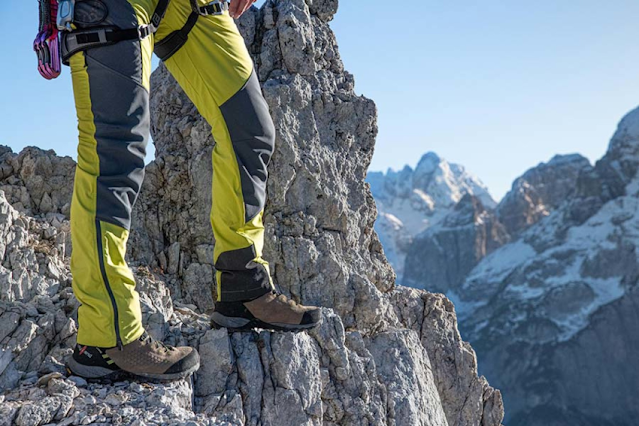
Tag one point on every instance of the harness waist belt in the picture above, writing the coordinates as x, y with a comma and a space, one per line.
78, 40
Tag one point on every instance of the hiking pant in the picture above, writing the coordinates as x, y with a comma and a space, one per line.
111, 89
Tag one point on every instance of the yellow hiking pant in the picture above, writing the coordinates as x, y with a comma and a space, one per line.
111, 89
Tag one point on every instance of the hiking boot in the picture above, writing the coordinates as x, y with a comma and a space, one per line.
93, 363
145, 357
271, 311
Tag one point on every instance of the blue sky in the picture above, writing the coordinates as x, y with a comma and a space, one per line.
496, 86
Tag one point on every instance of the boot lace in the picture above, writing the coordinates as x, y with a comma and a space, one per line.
286, 300
156, 344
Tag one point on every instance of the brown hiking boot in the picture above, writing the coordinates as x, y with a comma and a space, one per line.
147, 357
271, 311
144, 357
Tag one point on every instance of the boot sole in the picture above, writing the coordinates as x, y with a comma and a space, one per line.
101, 374
243, 324
168, 377
94, 373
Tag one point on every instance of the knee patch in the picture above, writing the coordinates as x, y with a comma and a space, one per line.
252, 135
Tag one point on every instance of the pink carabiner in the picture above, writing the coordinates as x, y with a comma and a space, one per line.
47, 44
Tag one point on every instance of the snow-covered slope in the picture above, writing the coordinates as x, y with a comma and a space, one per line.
554, 314
409, 201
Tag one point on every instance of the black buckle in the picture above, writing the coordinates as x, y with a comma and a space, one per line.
145, 30
216, 7
79, 38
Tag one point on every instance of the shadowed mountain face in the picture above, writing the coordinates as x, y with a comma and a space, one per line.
545, 285
440, 257
381, 356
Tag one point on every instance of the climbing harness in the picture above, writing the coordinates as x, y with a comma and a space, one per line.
170, 44
58, 41
82, 39
46, 44
77, 40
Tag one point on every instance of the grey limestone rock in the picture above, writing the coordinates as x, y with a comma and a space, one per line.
35, 181
465, 396
541, 190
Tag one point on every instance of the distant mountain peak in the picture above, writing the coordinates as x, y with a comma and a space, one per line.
561, 159
627, 130
540, 190
418, 198
445, 182
428, 162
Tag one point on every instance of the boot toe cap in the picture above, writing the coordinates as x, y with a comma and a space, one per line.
312, 317
189, 362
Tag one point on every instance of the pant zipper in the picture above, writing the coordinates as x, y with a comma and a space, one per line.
116, 320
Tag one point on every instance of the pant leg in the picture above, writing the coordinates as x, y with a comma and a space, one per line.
111, 90
216, 71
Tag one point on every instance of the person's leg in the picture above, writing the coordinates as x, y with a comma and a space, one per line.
111, 89
216, 71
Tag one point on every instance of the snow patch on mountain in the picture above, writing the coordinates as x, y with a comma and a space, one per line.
516, 273
394, 238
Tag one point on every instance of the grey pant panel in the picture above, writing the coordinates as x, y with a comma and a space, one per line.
120, 14
242, 278
253, 136
120, 106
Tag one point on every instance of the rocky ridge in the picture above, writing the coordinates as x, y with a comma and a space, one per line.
540, 190
381, 356
550, 308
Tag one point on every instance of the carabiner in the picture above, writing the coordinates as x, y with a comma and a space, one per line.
65, 14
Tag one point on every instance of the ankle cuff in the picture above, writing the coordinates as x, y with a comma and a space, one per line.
242, 295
